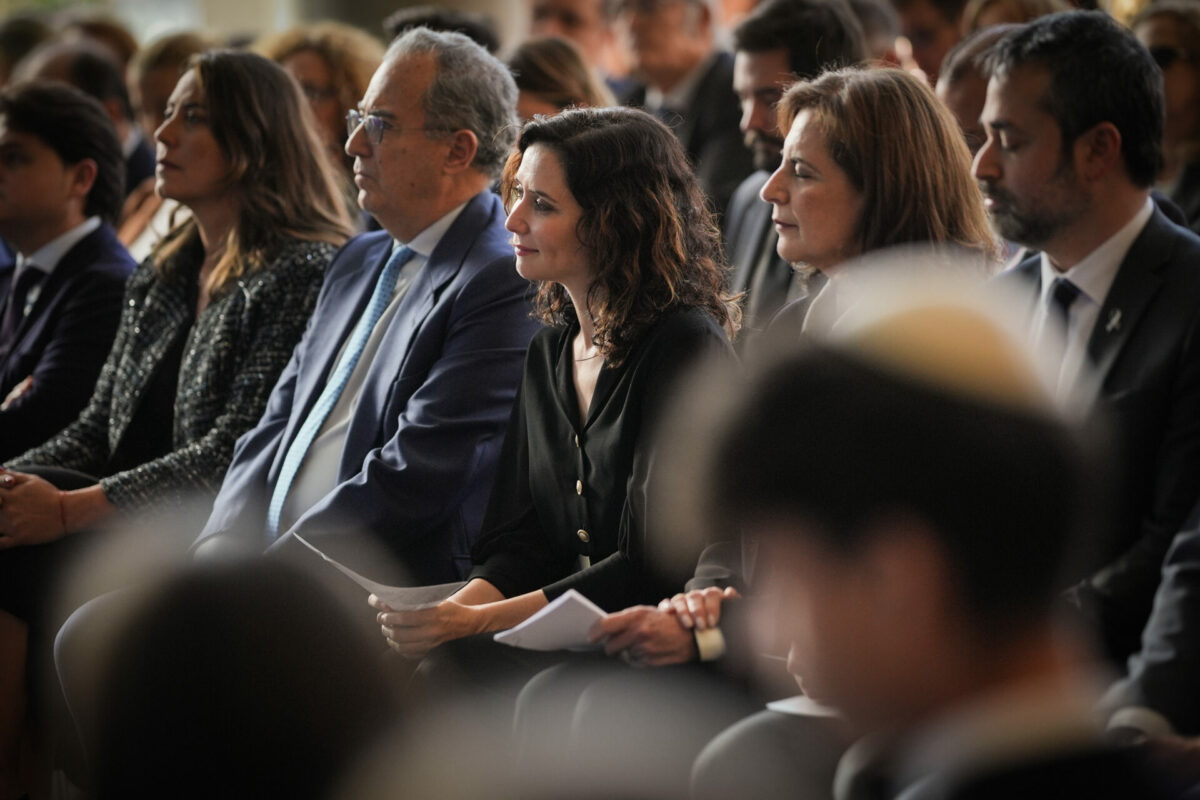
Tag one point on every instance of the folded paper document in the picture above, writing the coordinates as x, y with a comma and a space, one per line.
399, 598
561, 625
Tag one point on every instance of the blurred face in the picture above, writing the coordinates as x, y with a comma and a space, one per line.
930, 34
315, 77
398, 176
1181, 77
36, 189
529, 104
964, 98
666, 38
816, 207
759, 80
149, 97
1030, 188
824, 604
191, 167
581, 21
544, 221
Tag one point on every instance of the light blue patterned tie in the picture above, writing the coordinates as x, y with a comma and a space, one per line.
382, 295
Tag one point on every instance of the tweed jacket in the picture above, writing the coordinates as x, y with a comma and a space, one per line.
232, 356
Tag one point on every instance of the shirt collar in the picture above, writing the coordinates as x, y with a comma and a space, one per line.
680, 98
424, 242
1094, 275
46, 257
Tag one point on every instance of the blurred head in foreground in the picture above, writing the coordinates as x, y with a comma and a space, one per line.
237, 680
915, 498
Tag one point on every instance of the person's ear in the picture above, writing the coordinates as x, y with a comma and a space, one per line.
1098, 151
911, 577
81, 178
463, 147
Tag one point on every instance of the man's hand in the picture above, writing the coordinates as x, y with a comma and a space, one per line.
645, 636
700, 608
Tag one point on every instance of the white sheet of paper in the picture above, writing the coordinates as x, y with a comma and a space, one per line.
400, 598
801, 706
561, 625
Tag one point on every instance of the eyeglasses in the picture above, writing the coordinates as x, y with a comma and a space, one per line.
1166, 56
375, 125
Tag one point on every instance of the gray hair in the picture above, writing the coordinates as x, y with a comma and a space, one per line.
471, 91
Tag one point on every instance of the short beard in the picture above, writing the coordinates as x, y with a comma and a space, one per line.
767, 151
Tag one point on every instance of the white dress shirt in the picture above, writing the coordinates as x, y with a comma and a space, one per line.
45, 258
1093, 276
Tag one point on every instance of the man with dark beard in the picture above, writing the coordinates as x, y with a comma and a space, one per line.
1115, 291
780, 42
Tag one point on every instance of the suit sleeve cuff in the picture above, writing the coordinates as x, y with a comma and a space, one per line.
710, 644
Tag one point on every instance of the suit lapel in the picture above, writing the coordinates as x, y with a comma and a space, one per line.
419, 300
1137, 281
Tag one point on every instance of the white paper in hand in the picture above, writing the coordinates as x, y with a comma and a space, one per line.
802, 706
399, 598
561, 625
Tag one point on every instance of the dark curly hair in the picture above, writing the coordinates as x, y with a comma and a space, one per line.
646, 225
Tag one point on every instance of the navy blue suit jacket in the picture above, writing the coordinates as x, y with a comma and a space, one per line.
63, 341
1145, 350
420, 452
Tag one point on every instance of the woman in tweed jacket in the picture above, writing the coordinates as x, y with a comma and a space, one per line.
209, 321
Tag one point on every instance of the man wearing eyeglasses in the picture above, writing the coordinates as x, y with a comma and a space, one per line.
389, 418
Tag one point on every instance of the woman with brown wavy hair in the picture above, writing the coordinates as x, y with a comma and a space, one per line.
609, 222
871, 160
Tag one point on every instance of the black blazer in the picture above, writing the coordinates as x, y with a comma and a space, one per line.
1146, 353
750, 240
565, 490
1165, 674
709, 132
63, 341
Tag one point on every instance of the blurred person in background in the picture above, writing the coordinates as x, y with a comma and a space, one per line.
208, 323
980, 14
881, 25
91, 67
590, 25
20, 33
333, 63
1170, 30
685, 80
477, 27
931, 27
551, 76
962, 83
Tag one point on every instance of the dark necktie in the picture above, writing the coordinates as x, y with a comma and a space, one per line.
14, 307
1062, 295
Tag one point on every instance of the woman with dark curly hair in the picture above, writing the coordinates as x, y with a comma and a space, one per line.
609, 222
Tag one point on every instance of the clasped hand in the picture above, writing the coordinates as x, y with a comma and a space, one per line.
644, 636
30, 512
414, 633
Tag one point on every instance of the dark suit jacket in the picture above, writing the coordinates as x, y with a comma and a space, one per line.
758, 269
63, 341
419, 455
710, 134
1146, 352
1165, 674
